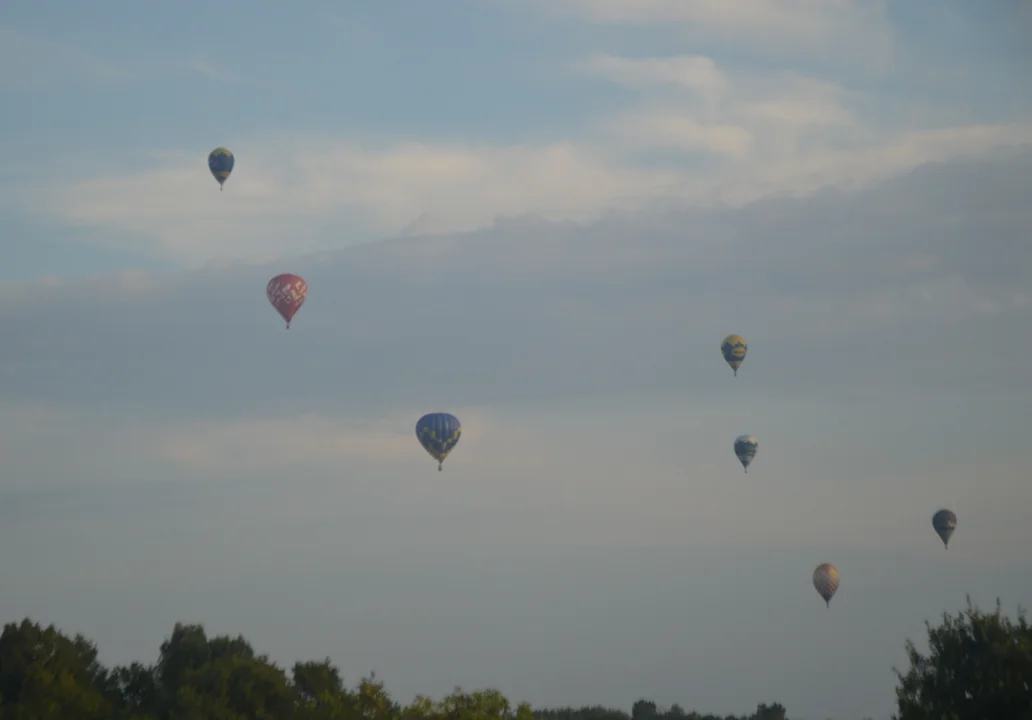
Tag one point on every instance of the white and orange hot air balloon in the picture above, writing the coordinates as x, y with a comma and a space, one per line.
826, 580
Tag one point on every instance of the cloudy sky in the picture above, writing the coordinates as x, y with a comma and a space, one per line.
543, 216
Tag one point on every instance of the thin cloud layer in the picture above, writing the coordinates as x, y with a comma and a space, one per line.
302, 195
302, 201
858, 29
700, 134
528, 308
34, 62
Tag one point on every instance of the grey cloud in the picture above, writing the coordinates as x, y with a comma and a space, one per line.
906, 282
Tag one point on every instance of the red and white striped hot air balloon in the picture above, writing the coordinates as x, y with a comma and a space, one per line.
287, 294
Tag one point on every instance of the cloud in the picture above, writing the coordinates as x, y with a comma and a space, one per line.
114, 444
855, 28
693, 72
530, 309
307, 190
280, 444
808, 171
32, 62
702, 134
306, 193
769, 100
203, 64
673, 131
774, 96
775, 133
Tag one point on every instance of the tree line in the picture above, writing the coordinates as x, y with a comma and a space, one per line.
979, 666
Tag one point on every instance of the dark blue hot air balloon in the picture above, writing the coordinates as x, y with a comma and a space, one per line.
438, 433
944, 522
220, 162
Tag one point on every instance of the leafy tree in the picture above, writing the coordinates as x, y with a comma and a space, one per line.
317, 679
979, 665
644, 710
221, 677
770, 712
372, 702
134, 692
45, 675
321, 694
594, 712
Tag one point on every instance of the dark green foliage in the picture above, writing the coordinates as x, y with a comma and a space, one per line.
46, 676
648, 710
979, 665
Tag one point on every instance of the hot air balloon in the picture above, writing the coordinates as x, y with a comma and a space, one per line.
944, 522
438, 433
287, 294
745, 449
220, 162
733, 349
826, 580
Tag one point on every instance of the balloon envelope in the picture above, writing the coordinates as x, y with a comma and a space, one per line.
287, 294
438, 433
733, 349
944, 522
826, 580
745, 449
220, 162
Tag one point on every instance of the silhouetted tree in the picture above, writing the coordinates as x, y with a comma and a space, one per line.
644, 710
979, 665
770, 712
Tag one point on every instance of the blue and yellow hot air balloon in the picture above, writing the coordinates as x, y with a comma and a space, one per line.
733, 349
944, 522
220, 162
438, 433
745, 449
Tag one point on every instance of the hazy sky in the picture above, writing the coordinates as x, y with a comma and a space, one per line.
543, 216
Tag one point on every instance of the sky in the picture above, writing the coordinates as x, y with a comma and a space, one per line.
542, 216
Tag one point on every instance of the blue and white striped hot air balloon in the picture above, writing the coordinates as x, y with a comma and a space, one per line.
745, 449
